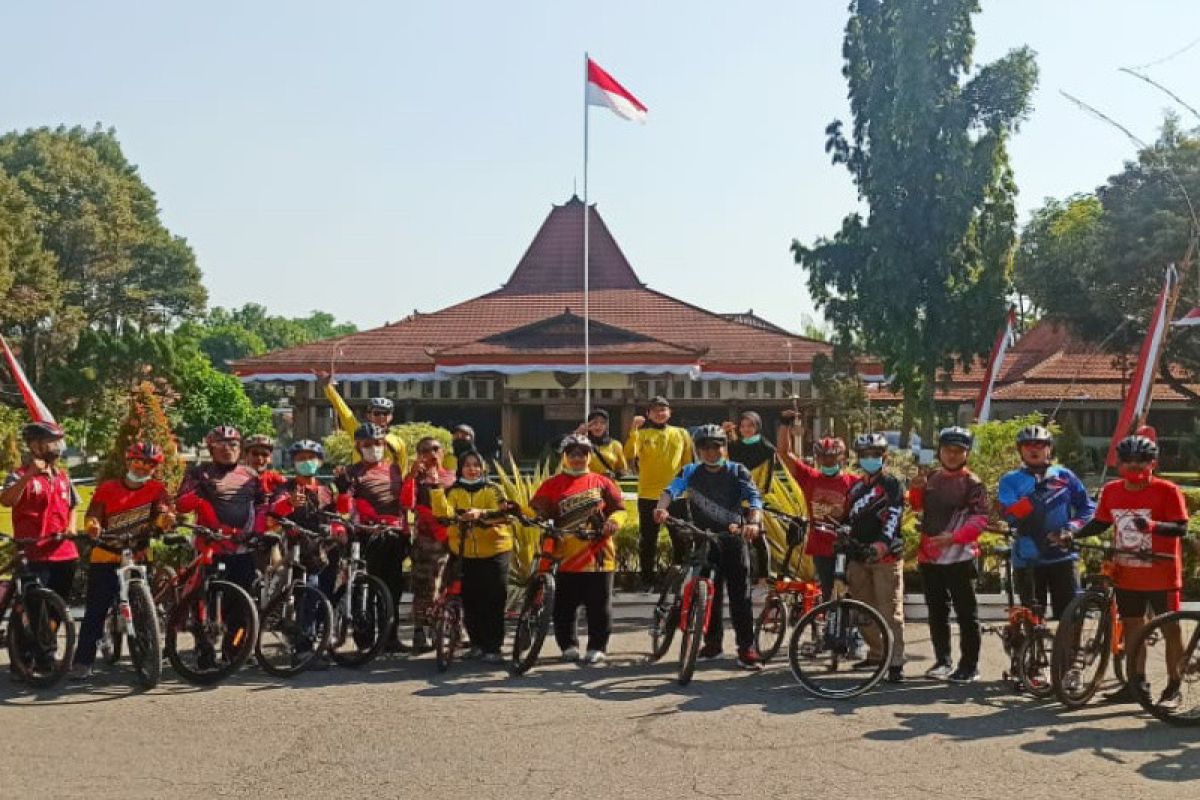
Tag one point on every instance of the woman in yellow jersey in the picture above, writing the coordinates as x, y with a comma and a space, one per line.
661, 451
482, 541
379, 412
748, 448
608, 455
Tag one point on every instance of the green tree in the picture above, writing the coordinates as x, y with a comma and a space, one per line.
145, 421
209, 397
921, 280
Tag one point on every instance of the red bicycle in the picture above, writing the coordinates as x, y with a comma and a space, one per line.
788, 597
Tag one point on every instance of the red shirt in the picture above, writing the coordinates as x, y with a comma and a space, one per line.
115, 505
44, 509
1159, 501
415, 496
826, 498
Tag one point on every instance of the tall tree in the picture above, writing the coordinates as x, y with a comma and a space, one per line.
921, 279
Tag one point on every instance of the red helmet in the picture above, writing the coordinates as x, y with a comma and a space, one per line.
829, 446
145, 451
222, 433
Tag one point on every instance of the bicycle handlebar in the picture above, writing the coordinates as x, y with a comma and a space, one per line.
1110, 551
696, 532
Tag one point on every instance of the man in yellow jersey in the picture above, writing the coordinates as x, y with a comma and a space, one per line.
379, 412
661, 451
608, 455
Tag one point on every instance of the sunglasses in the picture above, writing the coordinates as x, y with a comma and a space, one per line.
427, 450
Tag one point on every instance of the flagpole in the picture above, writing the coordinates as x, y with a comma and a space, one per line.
587, 352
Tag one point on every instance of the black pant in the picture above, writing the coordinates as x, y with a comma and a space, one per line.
102, 590
593, 590
57, 576
240, 568
648, 537
1060, 581
484, 592
385, 560
823, 566
946, 584
731, 562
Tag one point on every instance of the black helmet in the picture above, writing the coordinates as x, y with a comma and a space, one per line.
871, 441
42, 432
369, 430
1137, 448
710, 433
1031, 434
465, 429
572, 440
956, 436
380, 404
307, 446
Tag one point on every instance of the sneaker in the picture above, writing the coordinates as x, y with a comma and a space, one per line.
710, 651
493, 658
595, 657
866, 663
473, 653
1171, 698
80, 672
570, 654
1126, 694
749, 659
940, 671
895, 675
964, 675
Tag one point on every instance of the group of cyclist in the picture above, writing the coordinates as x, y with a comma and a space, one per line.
716, 477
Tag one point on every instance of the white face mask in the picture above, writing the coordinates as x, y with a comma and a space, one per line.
372, 455
136, 479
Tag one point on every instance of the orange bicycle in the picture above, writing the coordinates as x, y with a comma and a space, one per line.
1027, 641
788, 597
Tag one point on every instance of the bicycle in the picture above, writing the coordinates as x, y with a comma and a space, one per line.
788, 597
1090, 633
830, 633
211, 623
1027, 640
133, 616
1179, 701
364, 612
295, 619
41, 634
537, 608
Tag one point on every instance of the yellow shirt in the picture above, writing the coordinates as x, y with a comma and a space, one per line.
482, 541
613, 453
395, 450
661, 453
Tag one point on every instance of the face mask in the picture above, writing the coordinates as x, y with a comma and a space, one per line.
52, 452
465, 481
1137, 474
137, 480
755, 439
308, 468
871, 465
830, 472
720, 462
372, 455
575, 472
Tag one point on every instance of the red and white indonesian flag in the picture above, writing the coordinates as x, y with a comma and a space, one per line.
1004, 340
37, 409
603, 90
1189, 319
1141, 388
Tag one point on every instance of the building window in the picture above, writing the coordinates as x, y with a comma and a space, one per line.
769, 389
606, 394
643, 389
697, 390
463, 389
535, 394
660, 388
481, 390
751, 388
444, 389
427, 389
373, 389
714, 390
678, 389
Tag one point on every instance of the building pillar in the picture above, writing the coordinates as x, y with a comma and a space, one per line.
510, 429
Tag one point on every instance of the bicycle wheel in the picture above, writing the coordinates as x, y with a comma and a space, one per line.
770, 627
1169, 688
362, 623
1081, 649
822, 649
533, 623
293, 630
693, 632
447, 631
1033, 661
666, 614
211, 633
41, 637
145, 648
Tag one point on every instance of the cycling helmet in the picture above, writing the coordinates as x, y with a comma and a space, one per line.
1137, 448
258, 440
42, 432
573, 440
709, 433
369, 430
829, 446
1032, 434
465, 429
307, 446
145, 451
956, 436
871, 441
381, 404
222, 433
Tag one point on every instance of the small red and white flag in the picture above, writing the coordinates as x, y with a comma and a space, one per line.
603, 90
1141, 388
1189, 319
1004, 340
37, 409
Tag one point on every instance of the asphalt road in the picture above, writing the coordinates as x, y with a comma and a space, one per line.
626, 730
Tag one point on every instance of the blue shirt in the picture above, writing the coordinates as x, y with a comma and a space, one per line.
1058, 500
715, 497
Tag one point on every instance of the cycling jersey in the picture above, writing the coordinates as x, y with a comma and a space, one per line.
119, 508
1160, 501
876, 504
1037, 506
223, 497
44, 509
483, 540
952, 501
416, 496
570, 501
661, 451
371, 490
826, 498
317, 498
395, 450
716, 497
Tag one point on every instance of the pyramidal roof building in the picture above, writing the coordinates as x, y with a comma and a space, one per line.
511, 362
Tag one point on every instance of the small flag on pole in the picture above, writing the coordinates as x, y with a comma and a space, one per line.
603, 90
1141, 388
37, 409
1189, 319
1004, 340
